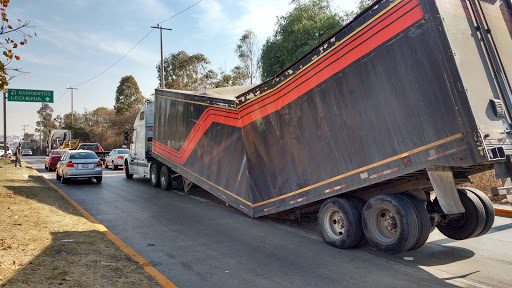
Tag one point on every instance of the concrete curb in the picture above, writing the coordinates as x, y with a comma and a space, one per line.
159, 277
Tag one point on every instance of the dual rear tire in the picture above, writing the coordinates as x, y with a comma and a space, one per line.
394, 223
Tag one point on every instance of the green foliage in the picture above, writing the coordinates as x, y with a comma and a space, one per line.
187, 72
363, 4
45, 123
7, 72
128, 95
296, 33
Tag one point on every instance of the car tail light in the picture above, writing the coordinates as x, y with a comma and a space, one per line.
70, 164
99, 164
120, 157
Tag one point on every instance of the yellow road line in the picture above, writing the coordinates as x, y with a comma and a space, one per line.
159, 277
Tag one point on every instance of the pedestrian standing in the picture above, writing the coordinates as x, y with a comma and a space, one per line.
18, 155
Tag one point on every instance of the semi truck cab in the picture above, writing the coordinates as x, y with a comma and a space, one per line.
139, 160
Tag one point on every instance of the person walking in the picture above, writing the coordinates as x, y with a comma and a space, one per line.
18, 155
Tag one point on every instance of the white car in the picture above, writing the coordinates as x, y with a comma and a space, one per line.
9, 152
116, 158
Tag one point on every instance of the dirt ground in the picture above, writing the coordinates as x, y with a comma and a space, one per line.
46, 242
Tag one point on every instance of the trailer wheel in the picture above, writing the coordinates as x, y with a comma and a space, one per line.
127, 170
154, 175
340, 223
165, 178
424, 223
488, 208
470, 223
359, 204
390, 224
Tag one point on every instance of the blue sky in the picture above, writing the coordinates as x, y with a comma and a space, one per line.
78, 39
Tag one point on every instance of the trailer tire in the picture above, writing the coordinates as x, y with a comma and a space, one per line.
470, 223
488, 208
359, 204
390, 224
127, 170
340, 223
154, 175
165, 178
424, 223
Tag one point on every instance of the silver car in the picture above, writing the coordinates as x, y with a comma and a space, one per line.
79, 164
115, 158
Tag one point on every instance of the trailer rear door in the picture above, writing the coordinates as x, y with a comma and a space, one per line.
480, 37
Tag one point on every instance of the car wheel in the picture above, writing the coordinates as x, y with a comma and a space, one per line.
46, 167
127, 170
57, 176
106, 164
64, 180
114, 167
99, 179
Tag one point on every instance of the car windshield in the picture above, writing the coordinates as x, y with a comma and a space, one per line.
123, 151
26, 150
88, 147
57, 152
83, 155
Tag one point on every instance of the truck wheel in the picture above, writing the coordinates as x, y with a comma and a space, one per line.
488, 208
165, 178
127, 170
340, 223
424, 223
359, 204
390, 224
470, 223
154, 175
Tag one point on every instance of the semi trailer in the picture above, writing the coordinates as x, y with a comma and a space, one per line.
376, 126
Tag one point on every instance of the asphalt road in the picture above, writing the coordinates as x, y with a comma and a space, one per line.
199, 242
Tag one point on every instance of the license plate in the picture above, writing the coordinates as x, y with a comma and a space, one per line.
86, 166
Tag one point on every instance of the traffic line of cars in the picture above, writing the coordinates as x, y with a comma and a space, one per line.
74, 164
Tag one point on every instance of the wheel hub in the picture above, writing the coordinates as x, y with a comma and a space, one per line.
336, 223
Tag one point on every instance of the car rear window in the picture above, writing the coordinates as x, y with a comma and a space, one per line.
123, 151
57, 152
88, 146
83, 155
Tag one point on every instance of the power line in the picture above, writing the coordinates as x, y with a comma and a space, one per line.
181, 11
137, 44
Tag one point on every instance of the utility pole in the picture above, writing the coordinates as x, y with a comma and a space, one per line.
72, 102
24, 128
162, 80
5, 122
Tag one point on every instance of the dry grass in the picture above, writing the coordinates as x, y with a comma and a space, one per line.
46, 242
484, 181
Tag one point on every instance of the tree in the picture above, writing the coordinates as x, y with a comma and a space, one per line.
7, 72
45, 122
363, 4
296, 33
246, 50
128, 95
187, 72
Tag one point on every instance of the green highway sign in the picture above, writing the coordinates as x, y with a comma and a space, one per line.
26, 95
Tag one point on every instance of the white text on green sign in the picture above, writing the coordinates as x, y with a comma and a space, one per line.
26, 95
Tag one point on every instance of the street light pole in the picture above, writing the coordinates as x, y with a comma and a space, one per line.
162, 80
72, 102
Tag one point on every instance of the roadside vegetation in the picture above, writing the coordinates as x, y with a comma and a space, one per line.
46, 242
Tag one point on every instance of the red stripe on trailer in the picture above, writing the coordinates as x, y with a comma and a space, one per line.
380, 173
268, 209
244, 208
298, 200
335, 188
434, 156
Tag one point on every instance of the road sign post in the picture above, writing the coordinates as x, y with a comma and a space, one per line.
26, 95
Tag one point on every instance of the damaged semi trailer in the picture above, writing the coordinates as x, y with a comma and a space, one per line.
376, 126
